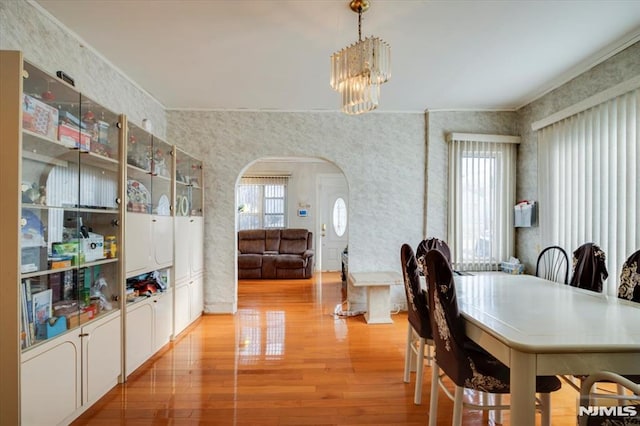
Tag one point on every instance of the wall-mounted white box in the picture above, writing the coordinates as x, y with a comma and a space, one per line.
526, 214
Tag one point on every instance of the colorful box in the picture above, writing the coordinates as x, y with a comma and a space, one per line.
100, 138
512, 268
38, 117
92, 247
74, 137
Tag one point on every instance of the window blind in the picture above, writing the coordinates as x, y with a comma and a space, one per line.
589, 173
482, 177
262, 202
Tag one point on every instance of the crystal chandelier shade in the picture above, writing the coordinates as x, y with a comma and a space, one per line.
357, 71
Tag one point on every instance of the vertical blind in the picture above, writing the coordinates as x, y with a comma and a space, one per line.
589, 180
482, 178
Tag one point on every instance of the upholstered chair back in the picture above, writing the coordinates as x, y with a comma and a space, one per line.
589, 267
629, 287
447, 325
417, 309
431, 244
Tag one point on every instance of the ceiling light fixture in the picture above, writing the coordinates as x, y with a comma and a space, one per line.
358, 71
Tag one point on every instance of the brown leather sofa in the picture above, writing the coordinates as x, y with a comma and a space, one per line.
275, 254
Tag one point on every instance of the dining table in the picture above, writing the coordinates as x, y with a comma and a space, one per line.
543, 328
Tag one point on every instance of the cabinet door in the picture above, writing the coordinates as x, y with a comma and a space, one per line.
139, 339
163, 319
196, 245
137, 243
51, 381
197, 299
182, 307
162, 241
101, 357
182, 242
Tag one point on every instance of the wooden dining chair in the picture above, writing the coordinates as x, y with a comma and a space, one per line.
463, 361
553, 265
588, 398
418, 329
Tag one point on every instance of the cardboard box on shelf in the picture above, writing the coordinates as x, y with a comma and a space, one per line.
38, 117
75, 137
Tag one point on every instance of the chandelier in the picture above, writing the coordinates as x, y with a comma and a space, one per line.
358, 71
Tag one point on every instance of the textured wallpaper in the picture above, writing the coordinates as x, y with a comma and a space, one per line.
381, 156
48, 46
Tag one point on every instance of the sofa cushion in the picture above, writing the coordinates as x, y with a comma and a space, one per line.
290, 261
293, 241
272, 242
249, 261
251, 241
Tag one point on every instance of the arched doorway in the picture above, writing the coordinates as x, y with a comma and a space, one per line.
306, 204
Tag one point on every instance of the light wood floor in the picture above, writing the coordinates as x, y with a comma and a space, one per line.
284, 359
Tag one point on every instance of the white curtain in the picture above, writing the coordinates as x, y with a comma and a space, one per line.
589, 180
482, 183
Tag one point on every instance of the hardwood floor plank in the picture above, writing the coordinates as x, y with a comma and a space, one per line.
284, 359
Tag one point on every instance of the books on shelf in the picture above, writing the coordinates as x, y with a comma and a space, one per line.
41, 312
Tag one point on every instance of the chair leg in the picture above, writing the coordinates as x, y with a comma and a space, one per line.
433, 401
457, 407
408, 356
545, 412
429, 355
417, 393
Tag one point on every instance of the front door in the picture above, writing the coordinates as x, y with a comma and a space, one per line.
332, 228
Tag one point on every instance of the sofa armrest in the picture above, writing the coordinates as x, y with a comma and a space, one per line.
307, 254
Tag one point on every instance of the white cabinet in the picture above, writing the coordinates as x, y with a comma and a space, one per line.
196, 298
163, 319
51, 381
137, 243
65, 374
189, 268
149, 220
60, 332
101, 355
162, 241
148, 328
182, 307
139, 335
149, 243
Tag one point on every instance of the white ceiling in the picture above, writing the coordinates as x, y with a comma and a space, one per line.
274, 55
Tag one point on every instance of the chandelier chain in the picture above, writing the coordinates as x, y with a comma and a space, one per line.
360, 23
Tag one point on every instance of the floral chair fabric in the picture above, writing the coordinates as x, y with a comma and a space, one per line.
629, 287
589, 267
417, 311
431, 244
463, 361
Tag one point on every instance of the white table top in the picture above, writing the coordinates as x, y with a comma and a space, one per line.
538, 316
381, 278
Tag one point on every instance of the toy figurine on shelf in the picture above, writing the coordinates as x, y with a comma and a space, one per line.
97, 293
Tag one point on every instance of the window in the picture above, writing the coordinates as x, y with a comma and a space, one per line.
589, 174
339, 217
481, 199
262, 202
